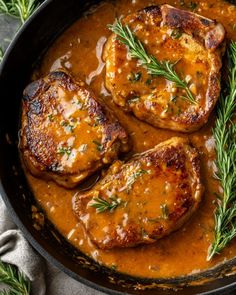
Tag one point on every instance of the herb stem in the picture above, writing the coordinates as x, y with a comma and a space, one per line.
225, 141
13, 278
103, 205
154, 67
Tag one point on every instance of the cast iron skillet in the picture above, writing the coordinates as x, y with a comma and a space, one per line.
28, 46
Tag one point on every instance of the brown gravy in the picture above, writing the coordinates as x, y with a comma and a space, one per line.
79, 50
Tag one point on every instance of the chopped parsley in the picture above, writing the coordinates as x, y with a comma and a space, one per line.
134, 99
134, 77
114, 267
51, 117
64, 151
99, 145
176, 34
68, 126
164, 211
193, 5
173, 99
148, 82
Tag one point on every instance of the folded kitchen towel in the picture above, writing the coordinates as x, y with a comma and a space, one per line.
45, 279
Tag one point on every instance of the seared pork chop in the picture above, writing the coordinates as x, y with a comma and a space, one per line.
143, 200
66, 133
193, 42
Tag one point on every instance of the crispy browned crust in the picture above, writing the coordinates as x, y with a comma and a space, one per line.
207, 33
210, 33
174, 160
41, 136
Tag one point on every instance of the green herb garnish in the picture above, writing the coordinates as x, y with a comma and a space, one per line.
103, 205
134, 99
99, 145
132, 178
164, 211
154, 67
14, 279
64, 151
70, 127
173, 99
114, 266
176, 34
149, 81
51, 117
225, 145
135, 77
21, 9
193, 5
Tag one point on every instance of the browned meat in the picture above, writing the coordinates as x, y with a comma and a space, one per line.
194, 42
143, 200
66, 133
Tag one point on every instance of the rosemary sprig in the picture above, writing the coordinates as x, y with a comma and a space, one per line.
103, 205
21, 9
13, 278
133, 177
225, 140
154, 67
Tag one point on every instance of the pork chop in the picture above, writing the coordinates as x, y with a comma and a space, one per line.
66, 133
192, 42
143, 200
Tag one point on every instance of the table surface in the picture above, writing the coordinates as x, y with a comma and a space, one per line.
8, 27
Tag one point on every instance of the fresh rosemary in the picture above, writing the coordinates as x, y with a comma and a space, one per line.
21, 9
225, 141
133, 177
154, 67
103, 205
64, 151
14, 279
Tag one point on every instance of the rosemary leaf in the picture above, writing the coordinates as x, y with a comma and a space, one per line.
225, 141
156, 68
103, 205
13, 278
133, 177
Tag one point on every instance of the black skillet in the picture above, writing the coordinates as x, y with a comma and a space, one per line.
28, 46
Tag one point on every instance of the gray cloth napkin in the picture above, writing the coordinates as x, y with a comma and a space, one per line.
45, 278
